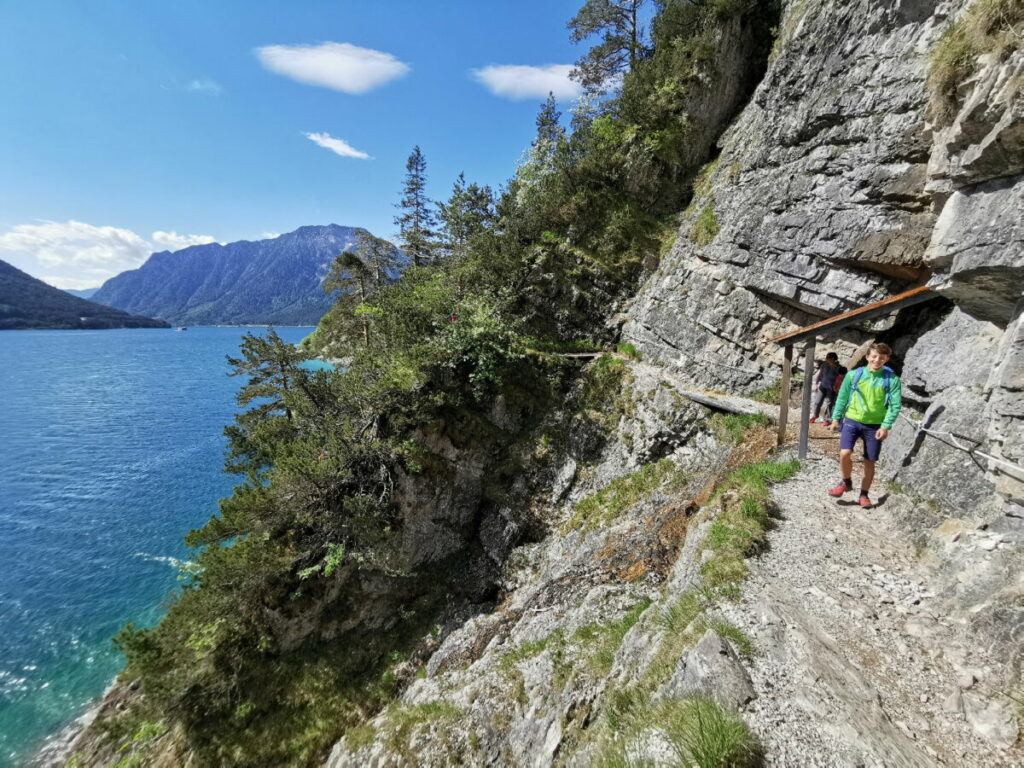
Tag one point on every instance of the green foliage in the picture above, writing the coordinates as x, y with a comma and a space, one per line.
599, 509
699, 731
994, 27
623, 41
602, 383
741, 527
729, 428
555, 345
705, 226
416, 221
629, 350
360, 736
531, 649
403, 720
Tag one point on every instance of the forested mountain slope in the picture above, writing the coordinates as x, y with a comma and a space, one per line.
26, 302
278, 280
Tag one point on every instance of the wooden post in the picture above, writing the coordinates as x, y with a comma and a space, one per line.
787, 367
805, 406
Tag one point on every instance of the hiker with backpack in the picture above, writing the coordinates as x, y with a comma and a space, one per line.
826, 386
869, 402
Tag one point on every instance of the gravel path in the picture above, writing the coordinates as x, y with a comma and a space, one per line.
856, 663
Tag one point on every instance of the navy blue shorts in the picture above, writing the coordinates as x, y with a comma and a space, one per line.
853, 430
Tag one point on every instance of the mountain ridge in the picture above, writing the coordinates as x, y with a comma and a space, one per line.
277, 280
27, 302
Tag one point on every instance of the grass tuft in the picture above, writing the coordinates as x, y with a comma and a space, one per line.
705, 228
729, 428
629, 350
403, 720
601, 641
601, 508
987, 27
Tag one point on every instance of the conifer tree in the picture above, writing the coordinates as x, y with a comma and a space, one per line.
623, 41
416, 220
359, 274
468, 213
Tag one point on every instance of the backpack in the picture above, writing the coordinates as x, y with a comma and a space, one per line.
887, 374
839, 379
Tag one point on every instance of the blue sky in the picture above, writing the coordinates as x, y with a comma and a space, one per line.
130, 127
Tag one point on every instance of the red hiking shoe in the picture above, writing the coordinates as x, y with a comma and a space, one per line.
839, 490
864, 501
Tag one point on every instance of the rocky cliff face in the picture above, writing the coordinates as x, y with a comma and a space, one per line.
834, 189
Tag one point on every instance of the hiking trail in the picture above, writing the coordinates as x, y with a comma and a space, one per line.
856, 664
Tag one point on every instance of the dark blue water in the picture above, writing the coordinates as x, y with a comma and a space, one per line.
111, 449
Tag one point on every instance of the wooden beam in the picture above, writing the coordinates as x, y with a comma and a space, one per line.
805, 405
884, 307
787, 367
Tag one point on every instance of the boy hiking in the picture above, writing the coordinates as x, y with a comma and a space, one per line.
869, 402
829, 374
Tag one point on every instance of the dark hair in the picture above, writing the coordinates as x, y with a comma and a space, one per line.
832, 356
882, 349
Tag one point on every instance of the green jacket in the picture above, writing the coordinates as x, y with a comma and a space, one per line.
868, 404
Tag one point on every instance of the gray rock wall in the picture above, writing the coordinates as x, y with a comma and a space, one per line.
835, 189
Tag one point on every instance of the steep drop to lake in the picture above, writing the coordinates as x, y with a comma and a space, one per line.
111, 451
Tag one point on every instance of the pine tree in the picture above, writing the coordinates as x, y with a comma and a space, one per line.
468, 213
359, 274
623, 41
416, 222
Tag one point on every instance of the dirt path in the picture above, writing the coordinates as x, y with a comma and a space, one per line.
856, 663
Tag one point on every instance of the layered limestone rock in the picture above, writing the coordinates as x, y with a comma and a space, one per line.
835, 189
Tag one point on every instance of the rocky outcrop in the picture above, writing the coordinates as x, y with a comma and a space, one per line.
833, 190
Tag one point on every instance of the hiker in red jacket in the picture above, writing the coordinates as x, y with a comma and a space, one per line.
825, 386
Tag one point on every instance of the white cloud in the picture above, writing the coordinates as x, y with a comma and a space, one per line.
172, 241
517, 81
72, 283
340, 66
337, 146
270, 236
84, 253
205, 85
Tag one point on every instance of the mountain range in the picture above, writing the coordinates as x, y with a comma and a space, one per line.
26, 302
277, 280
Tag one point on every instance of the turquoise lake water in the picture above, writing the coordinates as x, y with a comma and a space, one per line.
111, 450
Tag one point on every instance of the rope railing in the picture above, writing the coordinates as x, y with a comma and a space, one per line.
955, 441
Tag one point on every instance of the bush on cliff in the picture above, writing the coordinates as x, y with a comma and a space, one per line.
258, 659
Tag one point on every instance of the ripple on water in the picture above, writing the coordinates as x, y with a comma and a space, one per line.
112, 450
